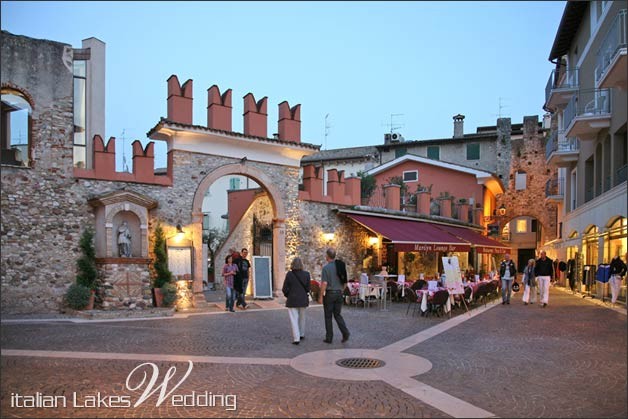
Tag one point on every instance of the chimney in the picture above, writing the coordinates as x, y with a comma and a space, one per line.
255, 116
179, 101
458, 126
218, 109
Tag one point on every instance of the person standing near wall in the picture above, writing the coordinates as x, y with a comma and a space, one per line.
331, 298
243, 278
296, 288
228, 273
617, 271
507, 273
544, 270
571, 274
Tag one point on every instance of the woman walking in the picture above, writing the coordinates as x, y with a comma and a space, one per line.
296, 288
228, 273
529, 281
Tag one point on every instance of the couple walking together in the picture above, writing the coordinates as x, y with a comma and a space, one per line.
296, 288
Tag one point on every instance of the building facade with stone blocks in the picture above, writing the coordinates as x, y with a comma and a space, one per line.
588, 146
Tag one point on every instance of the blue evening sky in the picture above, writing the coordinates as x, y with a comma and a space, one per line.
359, 62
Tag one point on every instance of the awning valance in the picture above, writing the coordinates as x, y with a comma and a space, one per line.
412, 236
481, 243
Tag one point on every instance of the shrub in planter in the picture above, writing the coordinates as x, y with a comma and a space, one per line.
87, 274
169, 292
77, 296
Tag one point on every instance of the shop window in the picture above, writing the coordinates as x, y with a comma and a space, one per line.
16, 128
473, 151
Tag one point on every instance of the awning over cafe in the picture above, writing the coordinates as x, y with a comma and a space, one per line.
481, 243
412, 236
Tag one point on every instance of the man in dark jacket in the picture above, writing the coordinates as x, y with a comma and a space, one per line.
242, 278
544, 271
507, 274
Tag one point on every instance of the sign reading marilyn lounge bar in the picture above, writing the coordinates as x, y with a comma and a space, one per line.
431, 247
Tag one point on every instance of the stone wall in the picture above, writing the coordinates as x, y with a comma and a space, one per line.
124, 284
528, 154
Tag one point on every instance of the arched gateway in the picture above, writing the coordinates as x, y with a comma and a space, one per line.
278, 209
200, 155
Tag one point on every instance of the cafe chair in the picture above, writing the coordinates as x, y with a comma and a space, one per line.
418, 285
412, 301
437, 304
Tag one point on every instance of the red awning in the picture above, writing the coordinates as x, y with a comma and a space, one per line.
412, 236
481, 243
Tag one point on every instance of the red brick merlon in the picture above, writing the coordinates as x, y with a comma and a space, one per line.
340, 191
143, 164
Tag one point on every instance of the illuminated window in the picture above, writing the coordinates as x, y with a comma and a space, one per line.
16, 128
522, 225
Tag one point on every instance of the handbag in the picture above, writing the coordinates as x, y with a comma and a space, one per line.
515, 286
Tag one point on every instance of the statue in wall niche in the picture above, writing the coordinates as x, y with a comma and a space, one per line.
124, 240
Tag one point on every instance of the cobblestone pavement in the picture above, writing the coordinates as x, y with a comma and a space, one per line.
565, 360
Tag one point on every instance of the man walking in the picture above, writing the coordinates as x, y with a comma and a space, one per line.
243, 274
507, 273
331, 298
544, 271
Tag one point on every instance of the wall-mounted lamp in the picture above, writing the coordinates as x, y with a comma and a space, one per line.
502, 210
180, 232
329, 237
373, 241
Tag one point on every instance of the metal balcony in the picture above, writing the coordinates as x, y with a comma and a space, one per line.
587, 113
611, 61
555, 190
560, 87
561, 151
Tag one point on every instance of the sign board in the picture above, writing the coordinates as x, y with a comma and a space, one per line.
453, 277
431, 247
180, 260
262, 278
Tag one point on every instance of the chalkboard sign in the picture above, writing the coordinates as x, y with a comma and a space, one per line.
262, 283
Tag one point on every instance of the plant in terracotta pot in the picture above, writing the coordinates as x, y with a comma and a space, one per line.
87, 274
162, 278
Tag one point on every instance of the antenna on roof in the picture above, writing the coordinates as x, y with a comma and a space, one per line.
499, 112
327, 126
125, 166
392, 125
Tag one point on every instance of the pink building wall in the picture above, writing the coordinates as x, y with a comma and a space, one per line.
457, 184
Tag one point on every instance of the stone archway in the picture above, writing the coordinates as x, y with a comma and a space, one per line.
279, 217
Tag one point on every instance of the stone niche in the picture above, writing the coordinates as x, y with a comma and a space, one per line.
125, 274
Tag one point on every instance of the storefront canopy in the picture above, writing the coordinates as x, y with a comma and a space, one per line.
412, 236
481, 243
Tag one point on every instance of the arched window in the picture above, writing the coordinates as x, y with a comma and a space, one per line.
16, 128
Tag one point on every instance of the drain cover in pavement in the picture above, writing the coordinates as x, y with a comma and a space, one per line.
360, 363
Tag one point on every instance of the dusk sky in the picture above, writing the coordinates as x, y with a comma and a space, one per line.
359, 62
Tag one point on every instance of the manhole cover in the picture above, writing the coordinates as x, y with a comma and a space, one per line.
360, 363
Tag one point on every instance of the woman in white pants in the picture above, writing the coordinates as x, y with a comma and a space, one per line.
617, 271
296, 288
529, 282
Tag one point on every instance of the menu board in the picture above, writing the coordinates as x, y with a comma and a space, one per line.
453, 277
180, 260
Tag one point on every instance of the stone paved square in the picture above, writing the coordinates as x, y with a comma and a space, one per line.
565, 360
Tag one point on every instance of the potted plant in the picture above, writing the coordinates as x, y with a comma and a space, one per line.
77, 297
368, 184
162, 276
87, 275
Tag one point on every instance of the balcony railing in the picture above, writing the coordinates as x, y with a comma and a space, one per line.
561, 144
565, 78
555, 187
614, 41
587, 103
621, 175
